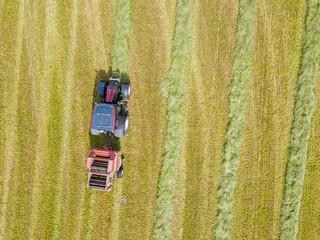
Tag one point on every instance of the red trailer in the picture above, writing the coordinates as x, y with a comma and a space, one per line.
103, 164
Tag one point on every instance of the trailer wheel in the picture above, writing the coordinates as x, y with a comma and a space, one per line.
120, 172
102, 89
125, 91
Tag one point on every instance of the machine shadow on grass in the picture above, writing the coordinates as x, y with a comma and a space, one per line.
102, 140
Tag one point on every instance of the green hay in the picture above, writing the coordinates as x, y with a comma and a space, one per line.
304, 105
122, 25
173, 88
237, 101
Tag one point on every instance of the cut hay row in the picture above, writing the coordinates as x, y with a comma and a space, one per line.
241, 68
205, 127
304, 105
309, 221
277, 50
122, 25
149, 63
173, 88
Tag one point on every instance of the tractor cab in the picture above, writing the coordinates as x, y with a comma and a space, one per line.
103, 164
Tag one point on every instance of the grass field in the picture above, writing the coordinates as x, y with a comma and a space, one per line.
193, 66
266, 130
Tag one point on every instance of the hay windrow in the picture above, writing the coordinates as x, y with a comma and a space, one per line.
173, 88
304, 105
242, 57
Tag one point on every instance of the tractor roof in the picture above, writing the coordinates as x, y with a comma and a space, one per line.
103, 117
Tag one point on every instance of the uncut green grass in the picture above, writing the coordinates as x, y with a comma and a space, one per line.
173, 88
242, 57
277, 49
304, 105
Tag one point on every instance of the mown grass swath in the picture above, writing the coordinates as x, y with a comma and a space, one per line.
309, 221
122, 25
173, 88
237, 101
304, 104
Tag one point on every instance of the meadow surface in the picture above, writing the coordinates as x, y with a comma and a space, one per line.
224, 118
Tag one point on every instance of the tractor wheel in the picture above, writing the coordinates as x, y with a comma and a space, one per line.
121, 132
124, 128
125, 91
102, 89
120, 172
126, 124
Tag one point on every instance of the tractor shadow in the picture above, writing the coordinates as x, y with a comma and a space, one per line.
101, 140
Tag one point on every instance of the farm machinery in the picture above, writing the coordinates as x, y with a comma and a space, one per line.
109, 116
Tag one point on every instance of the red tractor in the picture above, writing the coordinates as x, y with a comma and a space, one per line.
109, 116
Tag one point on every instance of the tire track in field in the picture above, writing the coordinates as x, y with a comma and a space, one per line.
174, 90
62, 196
304, 105
12, 112
242, 58
44, 61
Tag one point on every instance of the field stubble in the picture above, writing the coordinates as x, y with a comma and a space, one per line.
46, 141
268, 117
208, 79
142, 147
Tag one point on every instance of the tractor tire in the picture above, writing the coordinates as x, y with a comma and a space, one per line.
126, 124
125, 128
120, 172
102, 89
125, 91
